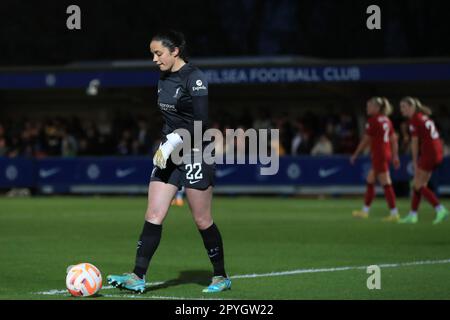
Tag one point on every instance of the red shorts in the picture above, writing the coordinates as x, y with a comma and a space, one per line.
380, 165
429, 163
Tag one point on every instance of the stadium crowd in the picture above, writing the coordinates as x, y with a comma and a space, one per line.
308, 134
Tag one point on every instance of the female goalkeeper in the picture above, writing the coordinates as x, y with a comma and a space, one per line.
182, 99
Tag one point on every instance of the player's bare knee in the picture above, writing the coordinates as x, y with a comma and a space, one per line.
370, 179
203, 222
417, 186
155, 216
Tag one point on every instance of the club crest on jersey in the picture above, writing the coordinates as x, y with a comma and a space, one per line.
176, 92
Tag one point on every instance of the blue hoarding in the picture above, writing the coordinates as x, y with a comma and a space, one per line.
132, 174
229, 75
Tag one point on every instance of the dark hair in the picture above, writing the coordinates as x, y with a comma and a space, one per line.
172, 39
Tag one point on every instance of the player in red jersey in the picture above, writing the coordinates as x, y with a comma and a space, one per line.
381, 137
427, 154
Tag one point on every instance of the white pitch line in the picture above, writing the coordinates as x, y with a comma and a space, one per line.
156, 297
261, 275
55, 292
315, 270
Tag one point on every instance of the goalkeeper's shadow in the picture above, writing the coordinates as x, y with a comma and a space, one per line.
200, 277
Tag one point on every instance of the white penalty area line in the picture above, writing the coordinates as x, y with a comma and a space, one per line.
63, 292
133, 296
317, 270
56, 292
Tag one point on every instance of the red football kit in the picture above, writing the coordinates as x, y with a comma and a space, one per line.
379, 128
431, 151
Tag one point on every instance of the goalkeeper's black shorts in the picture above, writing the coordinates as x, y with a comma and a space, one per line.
192, 173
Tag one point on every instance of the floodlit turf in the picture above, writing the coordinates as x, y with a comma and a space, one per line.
40, 237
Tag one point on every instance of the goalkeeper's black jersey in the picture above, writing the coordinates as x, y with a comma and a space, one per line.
183, 98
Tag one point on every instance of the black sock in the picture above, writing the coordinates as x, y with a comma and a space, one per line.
147, 245
214, 247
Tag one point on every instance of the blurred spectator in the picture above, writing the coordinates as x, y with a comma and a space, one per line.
69, 145
276, 146
446, 149
302, 141
104, 145
52, 139
14, 147
104, 125
83, 147
345, 129
286, 132
322, 147
127, 134
262, 121
124, 148
143, 139
92, 137
3, 146
297, 140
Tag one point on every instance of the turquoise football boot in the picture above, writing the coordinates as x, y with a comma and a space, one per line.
441, 215
128, 281
218, 284
409, 219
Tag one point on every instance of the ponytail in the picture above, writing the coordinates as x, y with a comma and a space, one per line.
384, 104
415, 102
386, 107
424, 109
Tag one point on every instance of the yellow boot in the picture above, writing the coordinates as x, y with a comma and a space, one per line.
360, 214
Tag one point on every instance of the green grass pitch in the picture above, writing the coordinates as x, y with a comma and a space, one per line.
316, 239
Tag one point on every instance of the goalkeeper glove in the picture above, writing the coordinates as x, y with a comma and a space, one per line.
165, 149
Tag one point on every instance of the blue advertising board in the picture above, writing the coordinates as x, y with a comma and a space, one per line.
132, 174
227, 75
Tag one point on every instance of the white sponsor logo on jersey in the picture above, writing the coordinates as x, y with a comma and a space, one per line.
199, 86
167, 107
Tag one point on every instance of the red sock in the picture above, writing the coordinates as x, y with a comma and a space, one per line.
389, 194
370, 194
430, 196
415, 200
